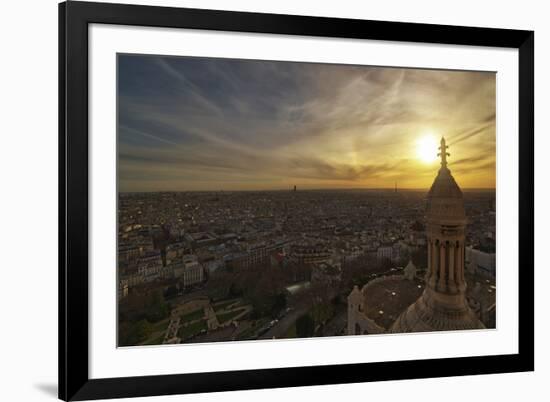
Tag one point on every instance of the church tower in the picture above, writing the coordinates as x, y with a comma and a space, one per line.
443, 304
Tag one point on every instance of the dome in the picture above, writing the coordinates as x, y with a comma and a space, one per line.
444, 186
387, 297
443, 305
424, 316
445, 200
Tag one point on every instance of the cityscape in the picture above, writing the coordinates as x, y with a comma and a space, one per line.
216, 244
237, 266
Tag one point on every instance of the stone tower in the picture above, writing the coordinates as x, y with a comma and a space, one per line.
443, 304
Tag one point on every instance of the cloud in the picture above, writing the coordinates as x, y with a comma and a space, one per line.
147, 135
322, 170
187, 85
199, 123
470, 133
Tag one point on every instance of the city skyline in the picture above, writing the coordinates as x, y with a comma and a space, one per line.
366, 189
198, 124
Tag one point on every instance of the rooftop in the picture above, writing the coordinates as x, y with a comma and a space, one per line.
387, 297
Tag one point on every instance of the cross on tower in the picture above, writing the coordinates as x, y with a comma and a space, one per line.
443, 154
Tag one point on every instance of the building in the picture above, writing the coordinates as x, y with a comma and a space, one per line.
149, 266
190, 272
166, 272
384, 252
128, 253
134, 279
255, 255
122, 289
277, 259
174, 251
297, 288
212, 264
310, 253
200, 239
405, 303
479, 262
374, 308
326, 274
443, 304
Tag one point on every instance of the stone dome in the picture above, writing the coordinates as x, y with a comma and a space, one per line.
445, 199
444, 185
424, 316
442, 305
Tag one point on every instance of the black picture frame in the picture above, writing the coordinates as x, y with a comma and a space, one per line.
74, 18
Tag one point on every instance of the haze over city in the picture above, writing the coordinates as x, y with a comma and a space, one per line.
199, 124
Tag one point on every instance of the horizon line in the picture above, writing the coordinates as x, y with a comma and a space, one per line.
291, 190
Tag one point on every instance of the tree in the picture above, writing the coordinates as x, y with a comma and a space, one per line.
386, 263
305, 326
278, 304
170, 292
132, 334
142, 330
419, 257
156, 298
157, 309
234, 291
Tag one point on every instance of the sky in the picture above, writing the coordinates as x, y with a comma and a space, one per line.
210, 124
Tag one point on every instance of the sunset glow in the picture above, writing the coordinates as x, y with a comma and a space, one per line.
201, 124
426, 149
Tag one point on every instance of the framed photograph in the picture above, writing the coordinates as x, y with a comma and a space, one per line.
256, 200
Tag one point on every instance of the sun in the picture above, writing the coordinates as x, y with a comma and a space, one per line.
426, 149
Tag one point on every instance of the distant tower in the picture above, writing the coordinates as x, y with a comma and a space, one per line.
294, 188
443, 305
396, 187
